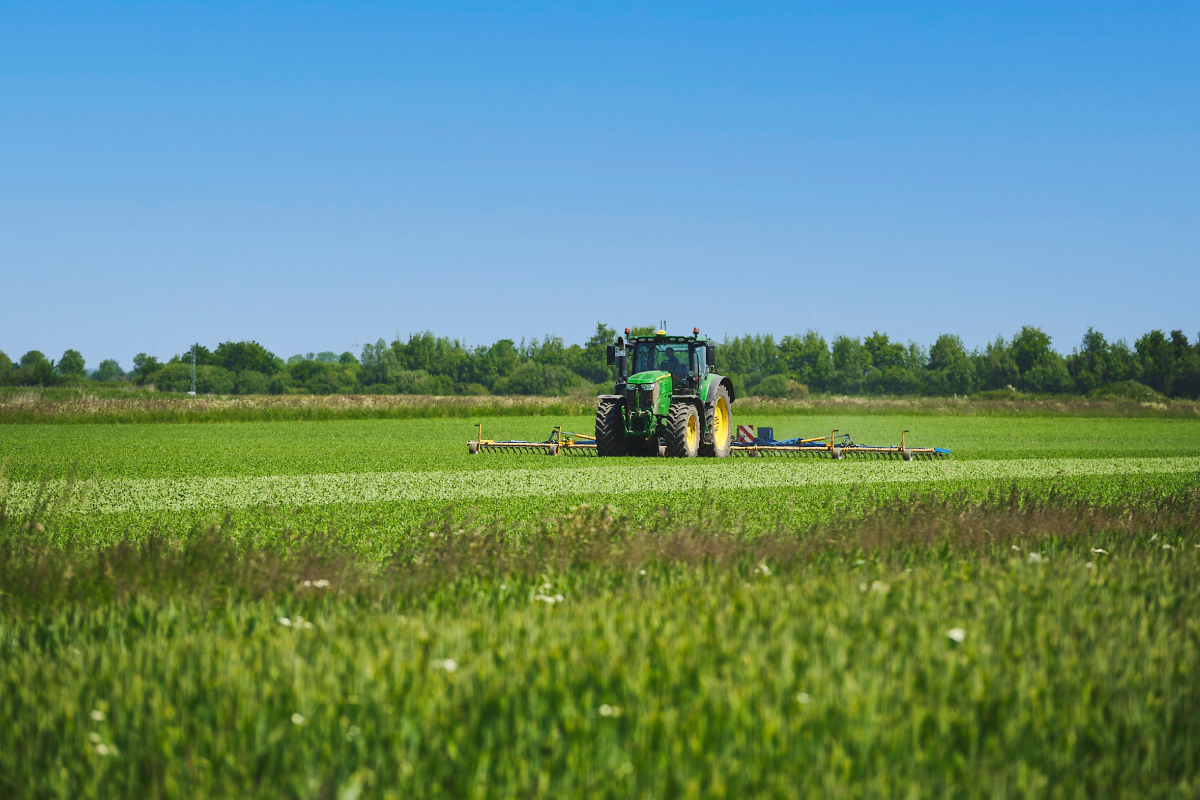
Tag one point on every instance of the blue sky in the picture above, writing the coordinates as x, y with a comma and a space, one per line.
318, 176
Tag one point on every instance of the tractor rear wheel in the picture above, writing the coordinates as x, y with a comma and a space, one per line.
610, 429
718, 422
683, 431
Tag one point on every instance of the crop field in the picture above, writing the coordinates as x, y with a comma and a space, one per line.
359, 608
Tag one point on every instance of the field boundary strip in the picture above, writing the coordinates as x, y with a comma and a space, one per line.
102, 496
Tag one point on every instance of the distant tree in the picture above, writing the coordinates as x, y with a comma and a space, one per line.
850, 364
1157, 357
327, 356
347, 358
593, 363
144, 367
33, 358
883, 352
109, 370
1029, 346
378, 363
538, 379
995, 367
72, 363
808, 358
772, 386
1048, 376
35, 370
951, 370
203, 356
211, 379
240, 356
250, 382
6, 368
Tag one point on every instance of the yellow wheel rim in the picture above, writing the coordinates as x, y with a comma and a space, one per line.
693, 432
721, 422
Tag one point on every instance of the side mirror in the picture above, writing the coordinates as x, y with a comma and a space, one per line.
710, 352
610, 353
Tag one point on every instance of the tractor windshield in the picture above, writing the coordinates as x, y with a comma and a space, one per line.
672, 358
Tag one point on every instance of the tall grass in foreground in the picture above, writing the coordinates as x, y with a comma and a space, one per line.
1024, 646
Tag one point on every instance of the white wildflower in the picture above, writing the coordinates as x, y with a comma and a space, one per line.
102, 749
545, 598
97, 715
957, 634
353, 733
308, 626
1015, 547
803, 698
558, 598
606, 710
94, 737
545, 587
308, 584
321, 584
880, 586
285, 622
1168, 547
764, 569
1034, 558
859, 562
448, 664
643, 572
1100, 550
298, 719
503, 587
862, 587
1090, 565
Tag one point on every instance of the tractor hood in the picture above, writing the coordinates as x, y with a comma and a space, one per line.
649, 376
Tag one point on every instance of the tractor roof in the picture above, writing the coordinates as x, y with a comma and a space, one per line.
662, 338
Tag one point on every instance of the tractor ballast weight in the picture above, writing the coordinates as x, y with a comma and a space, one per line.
674, 396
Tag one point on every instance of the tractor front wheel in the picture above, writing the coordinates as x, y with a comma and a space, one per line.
610, 429
683, 431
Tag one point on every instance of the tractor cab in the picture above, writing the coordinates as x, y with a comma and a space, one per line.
686, 362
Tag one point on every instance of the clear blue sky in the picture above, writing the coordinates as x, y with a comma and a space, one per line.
316, 176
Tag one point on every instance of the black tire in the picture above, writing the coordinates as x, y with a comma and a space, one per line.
610, 429
717, 449
683, 431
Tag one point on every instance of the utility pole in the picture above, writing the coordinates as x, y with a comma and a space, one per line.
193, 391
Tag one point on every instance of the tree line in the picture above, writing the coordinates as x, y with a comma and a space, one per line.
1156, 364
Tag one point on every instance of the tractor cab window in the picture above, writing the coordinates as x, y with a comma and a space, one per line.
699, 361
672, 358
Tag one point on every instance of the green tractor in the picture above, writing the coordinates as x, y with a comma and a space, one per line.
673, 397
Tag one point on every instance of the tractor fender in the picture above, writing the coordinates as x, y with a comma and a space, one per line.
728, 384
616, 398
719, 380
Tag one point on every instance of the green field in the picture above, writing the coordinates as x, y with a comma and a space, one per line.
358, 608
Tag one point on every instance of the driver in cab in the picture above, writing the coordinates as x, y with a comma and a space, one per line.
674, 366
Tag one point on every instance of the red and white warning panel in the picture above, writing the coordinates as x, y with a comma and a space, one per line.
745, 434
